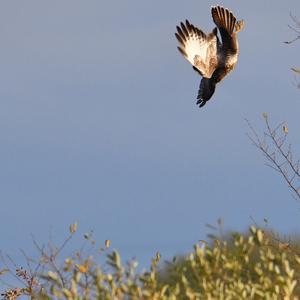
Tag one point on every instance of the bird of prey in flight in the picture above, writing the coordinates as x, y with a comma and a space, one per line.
212, 59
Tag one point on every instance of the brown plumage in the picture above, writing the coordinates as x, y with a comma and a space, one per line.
212, 59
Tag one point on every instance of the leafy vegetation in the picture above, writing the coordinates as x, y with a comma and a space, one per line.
252, 266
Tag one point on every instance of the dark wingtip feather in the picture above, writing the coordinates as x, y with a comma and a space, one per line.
179, 39
182, 51
184, 29
181, 34
188, 25
197, 70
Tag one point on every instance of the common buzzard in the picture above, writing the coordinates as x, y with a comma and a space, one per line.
212, 59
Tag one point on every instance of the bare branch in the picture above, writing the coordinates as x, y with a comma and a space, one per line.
279, 155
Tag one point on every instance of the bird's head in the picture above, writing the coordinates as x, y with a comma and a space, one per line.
206, 90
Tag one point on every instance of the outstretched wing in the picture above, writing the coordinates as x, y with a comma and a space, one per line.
225, 21
198, 48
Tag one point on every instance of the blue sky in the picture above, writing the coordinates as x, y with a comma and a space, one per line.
98, 124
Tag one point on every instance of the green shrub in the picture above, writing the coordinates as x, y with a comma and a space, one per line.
253, 266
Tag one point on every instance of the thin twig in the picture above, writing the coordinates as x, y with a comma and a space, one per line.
279, 159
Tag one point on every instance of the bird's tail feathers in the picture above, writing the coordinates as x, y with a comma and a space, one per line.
223, 18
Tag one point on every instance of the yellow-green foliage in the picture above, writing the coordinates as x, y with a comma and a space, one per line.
251, 267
